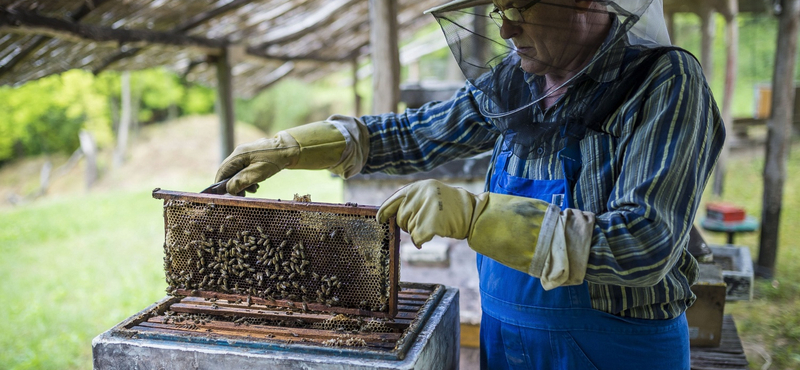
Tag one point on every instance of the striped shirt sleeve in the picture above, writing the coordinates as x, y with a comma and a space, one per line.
421, 139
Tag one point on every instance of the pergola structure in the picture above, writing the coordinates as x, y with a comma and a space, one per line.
239, 46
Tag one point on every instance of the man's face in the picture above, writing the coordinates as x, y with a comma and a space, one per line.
547, 37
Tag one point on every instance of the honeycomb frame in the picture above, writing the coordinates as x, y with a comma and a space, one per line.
301, 255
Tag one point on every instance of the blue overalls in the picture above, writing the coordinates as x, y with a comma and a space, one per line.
525, 327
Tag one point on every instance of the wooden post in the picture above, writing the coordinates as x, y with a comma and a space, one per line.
731, 68
225, 103
708, 27
90, 153
779, 128
124, 120
356, 97
385, 56
669, 18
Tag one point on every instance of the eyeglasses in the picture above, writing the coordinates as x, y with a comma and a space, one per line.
511, 14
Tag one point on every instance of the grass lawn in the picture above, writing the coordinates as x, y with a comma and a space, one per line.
769, 324
72, 267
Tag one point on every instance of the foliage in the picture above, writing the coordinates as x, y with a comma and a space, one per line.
772, 318
73, 268
292, 102
755, 57
45, 116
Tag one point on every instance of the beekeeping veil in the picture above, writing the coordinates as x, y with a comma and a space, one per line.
494, 65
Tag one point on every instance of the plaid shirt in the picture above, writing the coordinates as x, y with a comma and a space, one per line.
643, 171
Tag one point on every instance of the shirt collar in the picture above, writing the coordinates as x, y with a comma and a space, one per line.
610, 55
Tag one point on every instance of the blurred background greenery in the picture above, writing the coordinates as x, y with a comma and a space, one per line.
74, 263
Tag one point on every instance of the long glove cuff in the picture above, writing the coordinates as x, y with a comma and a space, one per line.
321, 145
533, 236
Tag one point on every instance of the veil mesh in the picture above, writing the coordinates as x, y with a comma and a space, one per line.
494, 65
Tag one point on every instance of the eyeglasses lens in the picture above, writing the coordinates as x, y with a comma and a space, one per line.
510, 14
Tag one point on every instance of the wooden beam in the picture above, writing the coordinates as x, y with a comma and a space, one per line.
779, 129
225, 103
201, 18
276, 75
38, 41
309, 23
193, 22
29, 22
385, 56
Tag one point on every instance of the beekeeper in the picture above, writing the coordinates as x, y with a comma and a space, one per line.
602, 138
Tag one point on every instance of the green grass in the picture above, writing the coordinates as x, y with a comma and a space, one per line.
72, 268
771, 321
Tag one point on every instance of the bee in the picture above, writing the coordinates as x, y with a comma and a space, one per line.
315, 275
305, 306
283, 245
294, 284
292, 275
289, 232
245, 233
221, 229
303, 289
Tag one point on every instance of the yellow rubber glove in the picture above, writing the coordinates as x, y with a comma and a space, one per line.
525, 234
316, 145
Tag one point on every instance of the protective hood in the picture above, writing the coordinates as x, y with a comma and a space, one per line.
515, 53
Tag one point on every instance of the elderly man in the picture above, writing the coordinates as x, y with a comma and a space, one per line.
603, 138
